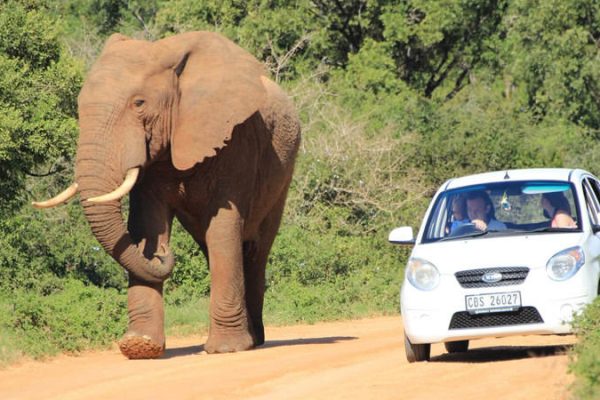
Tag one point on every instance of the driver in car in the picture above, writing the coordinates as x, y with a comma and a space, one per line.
481, 212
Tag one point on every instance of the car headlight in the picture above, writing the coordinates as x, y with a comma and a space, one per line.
422, 274
565, 264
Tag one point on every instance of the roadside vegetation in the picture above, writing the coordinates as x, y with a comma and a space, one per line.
585, 364
396, 96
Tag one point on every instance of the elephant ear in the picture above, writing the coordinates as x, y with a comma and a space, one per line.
220, 87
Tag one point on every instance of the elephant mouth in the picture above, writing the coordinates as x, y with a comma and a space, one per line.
121, 191
117, 194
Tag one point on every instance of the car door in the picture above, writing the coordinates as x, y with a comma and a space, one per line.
591, 189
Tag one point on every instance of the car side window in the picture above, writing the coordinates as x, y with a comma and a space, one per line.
595, 185
438, 225
592, 192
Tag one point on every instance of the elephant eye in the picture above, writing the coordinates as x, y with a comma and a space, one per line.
139, 102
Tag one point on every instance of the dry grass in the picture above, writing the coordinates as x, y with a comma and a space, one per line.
341, 164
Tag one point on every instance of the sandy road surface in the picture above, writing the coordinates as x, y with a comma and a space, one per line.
343, 360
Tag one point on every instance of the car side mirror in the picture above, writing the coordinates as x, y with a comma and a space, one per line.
595, 228
402, 235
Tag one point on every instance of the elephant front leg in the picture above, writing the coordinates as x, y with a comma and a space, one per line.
229, 326
145, 336
149, 224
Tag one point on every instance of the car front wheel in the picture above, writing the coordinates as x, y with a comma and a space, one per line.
460, 346
416, 352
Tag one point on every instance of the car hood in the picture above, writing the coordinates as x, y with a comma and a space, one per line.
531, 251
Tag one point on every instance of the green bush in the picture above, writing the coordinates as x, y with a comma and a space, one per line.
67, 316
55, 242
191, 270
39, 82
585, 362
312, 277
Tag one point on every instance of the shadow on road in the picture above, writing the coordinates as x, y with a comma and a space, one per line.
189, 350
296, 342
182, 351
502, 353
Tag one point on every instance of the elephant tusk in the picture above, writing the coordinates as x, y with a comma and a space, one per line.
58, 199
121, 191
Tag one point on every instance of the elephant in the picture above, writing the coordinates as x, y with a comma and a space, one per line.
190, 127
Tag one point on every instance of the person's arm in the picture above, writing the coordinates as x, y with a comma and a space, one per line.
563, 220
480, 224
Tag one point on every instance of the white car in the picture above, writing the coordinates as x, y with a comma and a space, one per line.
523, 260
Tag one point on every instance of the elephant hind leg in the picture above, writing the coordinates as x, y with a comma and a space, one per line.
229, 330
254, 280
256, 254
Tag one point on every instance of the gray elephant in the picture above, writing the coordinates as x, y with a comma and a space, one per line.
190, 127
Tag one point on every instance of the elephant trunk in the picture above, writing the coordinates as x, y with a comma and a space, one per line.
106, 221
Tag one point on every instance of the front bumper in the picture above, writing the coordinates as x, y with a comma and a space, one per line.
547, 307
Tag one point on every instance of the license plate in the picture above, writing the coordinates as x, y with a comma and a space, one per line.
493, 302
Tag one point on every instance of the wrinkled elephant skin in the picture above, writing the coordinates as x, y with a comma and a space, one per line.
214, 142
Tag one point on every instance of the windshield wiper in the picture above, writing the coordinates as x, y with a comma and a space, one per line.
481, 233
551, 229
467, 235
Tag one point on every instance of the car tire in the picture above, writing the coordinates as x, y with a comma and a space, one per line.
416, 352
460, 346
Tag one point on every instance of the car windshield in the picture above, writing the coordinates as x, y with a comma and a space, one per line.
503, 208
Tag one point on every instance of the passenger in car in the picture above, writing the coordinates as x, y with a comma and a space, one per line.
481, 212
459, 212
557, 208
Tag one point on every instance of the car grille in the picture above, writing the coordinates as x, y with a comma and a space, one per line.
525, 315
472, 278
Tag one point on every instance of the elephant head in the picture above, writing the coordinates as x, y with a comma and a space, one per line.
178, 98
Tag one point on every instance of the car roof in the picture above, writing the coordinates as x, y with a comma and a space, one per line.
552, 174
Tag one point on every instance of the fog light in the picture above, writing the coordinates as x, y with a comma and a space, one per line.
566, 312
425, 317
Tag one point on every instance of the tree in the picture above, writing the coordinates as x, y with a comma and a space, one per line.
438, 45
108, 16
39, 83
552, 52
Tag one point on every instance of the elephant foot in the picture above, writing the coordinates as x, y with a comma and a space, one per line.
228, 343
137, 347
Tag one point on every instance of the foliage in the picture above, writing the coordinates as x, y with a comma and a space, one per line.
39, 83
351, 182
190, 277
66, 316
330, 276
551, 47
586, 359
107, 16
395, 96
480, 131
438, 45
36, 245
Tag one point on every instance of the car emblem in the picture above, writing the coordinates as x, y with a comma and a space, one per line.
492, 277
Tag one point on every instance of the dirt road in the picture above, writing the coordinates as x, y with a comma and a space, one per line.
343, 360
